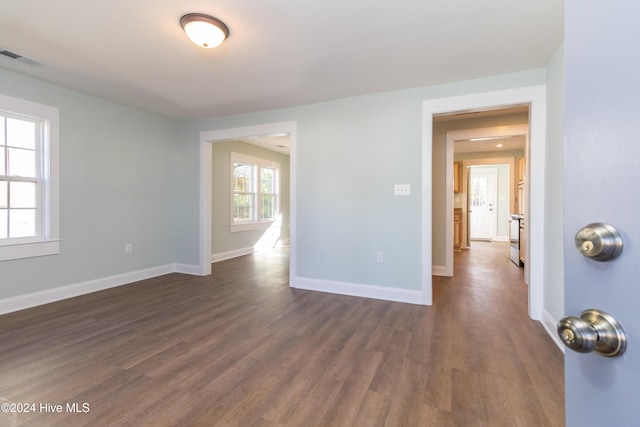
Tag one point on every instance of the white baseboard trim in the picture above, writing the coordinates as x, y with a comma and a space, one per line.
501, 239
231, 254
549, 324
439, 270
358, 290
21, 302
193, 270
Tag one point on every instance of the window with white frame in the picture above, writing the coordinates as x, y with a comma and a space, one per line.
28, 179
255, 191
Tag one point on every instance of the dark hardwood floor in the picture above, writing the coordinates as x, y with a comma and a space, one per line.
240, 348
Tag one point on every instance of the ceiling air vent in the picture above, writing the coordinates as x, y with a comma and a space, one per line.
10, 54
18, 57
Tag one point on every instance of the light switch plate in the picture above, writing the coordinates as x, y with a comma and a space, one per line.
402, 189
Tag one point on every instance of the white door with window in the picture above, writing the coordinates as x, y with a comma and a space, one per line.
482, 202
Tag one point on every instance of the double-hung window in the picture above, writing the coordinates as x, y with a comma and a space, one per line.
255, 192
268, 193
28, 179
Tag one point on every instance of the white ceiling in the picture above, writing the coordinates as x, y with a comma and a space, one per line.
280, 53
280, 143
506, 144
473, 145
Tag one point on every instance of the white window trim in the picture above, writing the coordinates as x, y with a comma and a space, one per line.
256, 162
48, 242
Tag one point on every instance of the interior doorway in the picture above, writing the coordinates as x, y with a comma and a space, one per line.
251, 194
207, 139
474, 147
535, 98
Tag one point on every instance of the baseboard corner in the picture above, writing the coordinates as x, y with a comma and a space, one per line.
440, 270
549, 324
222, 256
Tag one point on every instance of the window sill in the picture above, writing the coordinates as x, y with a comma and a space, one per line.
29, 250
234, 228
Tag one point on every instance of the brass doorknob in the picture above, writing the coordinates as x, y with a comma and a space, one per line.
594, 330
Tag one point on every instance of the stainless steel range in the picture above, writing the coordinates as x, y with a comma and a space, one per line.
514, 238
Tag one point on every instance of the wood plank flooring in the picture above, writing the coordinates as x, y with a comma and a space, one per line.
240, 348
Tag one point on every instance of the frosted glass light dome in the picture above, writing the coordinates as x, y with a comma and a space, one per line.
204, 30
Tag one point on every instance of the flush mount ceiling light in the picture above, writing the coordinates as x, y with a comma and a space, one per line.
204, 30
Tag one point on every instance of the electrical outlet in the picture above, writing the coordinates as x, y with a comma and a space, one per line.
128, 248
380, 257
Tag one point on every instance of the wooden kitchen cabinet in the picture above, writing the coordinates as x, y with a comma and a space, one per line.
521, 184
520, 172
457, 229
457, 170
523, 242
520, 200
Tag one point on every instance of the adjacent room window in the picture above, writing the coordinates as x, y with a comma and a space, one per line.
268, 193
255, 192
243, 193
28, 179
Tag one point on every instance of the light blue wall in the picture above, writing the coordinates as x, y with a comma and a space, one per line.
130, 176
116, 186
554, 191
350, 153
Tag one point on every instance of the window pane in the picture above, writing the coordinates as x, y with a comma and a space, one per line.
21, 134
268, 207
22, 195
242, 175
2, 156
4, 185
479, 192
22, 223
242, 207
3, 224
267, 180
22, 162
1, 130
